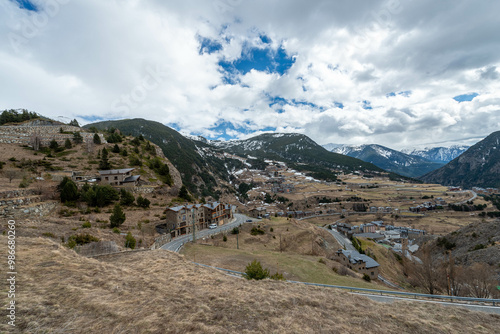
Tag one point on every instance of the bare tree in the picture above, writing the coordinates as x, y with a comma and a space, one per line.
11, 174
480, 280
427, 274
35, 141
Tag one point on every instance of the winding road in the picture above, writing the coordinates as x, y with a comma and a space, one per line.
176, 244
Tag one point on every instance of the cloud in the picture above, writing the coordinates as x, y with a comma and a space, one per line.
381, 72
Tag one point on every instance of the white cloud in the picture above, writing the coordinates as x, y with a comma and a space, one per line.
124, 59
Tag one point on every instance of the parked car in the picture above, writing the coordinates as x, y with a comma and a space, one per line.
249, 220
211, 226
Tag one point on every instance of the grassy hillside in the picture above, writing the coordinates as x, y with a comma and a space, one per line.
197, 169
160, 292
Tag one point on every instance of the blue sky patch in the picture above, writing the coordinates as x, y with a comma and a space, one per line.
259, 59
465, 97
26, 4
338, 105
208, 45
405, 93
367, 105
264, 39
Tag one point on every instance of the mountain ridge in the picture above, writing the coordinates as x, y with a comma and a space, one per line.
479, 166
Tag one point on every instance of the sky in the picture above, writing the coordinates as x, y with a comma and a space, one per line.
398, 73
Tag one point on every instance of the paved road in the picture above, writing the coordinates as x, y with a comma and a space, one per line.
473, 194
177, 243
391, 299
343, 241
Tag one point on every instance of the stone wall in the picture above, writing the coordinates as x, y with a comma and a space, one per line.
18, 211
161, 240
21, 134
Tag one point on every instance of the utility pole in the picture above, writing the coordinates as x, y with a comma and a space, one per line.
194, 234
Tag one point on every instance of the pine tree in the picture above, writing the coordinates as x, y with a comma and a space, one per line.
117, 217
97, 139
67, 144
104, 163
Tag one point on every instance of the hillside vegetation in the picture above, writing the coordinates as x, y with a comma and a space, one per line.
479, 166
199, 170
160, 292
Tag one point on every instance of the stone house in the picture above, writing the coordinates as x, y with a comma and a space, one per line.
118, 177
358, 262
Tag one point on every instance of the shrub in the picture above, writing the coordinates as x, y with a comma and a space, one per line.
224, 238
256, 231
115, 149
277, 277
445, 243
130, 241
117, 217
116, 230
48, 235
126, 198
478, 247
86, 225
53, 144
143, 202
68, 190
97, 139
80, 239
255, 271
235, 230
366, 278
67, 144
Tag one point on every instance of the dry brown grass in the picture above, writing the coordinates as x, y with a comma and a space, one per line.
159, 292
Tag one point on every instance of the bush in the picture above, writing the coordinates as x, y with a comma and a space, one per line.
256, 231
116, 230
235, 230
130, 241
255, 271
117, 217
80, 239
67, 144
86, 225
143, 202
271, 229
127, 198
68, 190
224, 238
97, 139
366, 278
53, 144
478, 247
445, 243
277, 277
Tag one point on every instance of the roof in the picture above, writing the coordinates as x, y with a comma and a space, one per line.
177, 208
132, 178
212, 206
116, 171
370, 235
354, 257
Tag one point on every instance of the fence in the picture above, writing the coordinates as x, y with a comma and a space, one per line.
494, 302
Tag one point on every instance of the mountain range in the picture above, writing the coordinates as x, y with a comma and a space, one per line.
438, 154
205, 169
390, 160
479, 166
